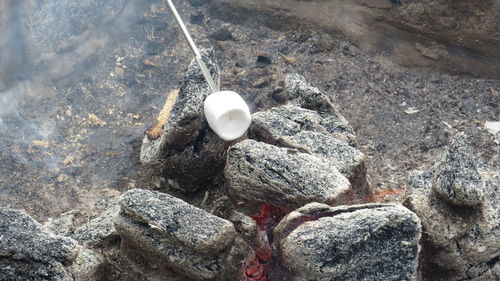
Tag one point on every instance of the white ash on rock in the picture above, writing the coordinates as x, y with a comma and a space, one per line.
260, 173
288, 120
165, 232
358, 242
181, 140
460, 212
28, 251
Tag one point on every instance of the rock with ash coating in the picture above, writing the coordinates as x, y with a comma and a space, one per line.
306, 96
166, 232
456, 179
270, 126
190, 153
259, 173
327, 136
30, 252
358, 242
100, 231
461, 231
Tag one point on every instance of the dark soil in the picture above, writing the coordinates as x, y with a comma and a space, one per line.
74, 137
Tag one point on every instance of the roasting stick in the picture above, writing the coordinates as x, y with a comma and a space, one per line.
197, 55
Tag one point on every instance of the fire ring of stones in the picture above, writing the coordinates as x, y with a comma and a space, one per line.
300, 207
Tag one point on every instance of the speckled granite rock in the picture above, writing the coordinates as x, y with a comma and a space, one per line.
186, 143
306, 96
99, 231
456, 179
259, 173
460, 241
168, 232
271, 125
326, 135
30, 252
358, 242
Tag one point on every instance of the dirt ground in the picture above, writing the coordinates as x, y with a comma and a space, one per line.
71, 125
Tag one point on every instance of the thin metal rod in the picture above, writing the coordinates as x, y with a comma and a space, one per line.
197, 54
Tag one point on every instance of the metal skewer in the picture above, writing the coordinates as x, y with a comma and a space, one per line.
197, 55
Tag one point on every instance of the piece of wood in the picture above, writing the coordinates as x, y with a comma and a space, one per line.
154, 132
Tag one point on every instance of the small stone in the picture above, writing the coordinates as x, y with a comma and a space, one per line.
222, 34
263, 60
260, 173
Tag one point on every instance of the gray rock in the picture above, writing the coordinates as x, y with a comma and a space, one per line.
30, 252
99, 231
169, 232
461, 241
456, 179
189, 151
359, 242
64, 225
307, 96
348, 160
270, 126
86, 266
260, 173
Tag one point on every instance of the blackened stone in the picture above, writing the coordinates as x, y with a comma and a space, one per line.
222, 34
263, 61
197, 18
189, 151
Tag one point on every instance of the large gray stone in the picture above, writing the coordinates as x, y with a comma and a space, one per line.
189, 151
29, 252
358, 242
270, 126
456, 179
460, 240
260, 173
169, 232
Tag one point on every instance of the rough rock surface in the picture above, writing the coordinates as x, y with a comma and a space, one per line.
288, 120
30, 252
358, 242
99, 231
186, 143
460, 241
168, 232
260, 173
310, 97
456, 178
312, 125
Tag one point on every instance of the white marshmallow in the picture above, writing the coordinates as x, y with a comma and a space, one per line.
227, 114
